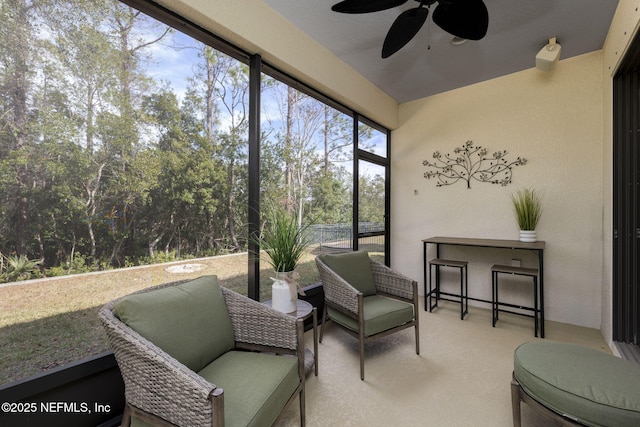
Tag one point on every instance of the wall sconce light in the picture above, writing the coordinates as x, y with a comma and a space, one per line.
548, 55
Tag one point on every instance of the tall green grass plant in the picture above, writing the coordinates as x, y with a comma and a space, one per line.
527, 207
284, 241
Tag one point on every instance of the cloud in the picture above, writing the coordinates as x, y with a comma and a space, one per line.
172, 61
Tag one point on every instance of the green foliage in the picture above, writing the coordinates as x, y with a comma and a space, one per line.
330, 200
283, 240
527, 207
371, 198
103, 167
79, 264
21, 268
160, 257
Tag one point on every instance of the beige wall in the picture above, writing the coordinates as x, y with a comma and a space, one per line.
530, 114
623, 28
552, 119
258, 29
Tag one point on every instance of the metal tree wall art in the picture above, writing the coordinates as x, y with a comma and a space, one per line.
471, 162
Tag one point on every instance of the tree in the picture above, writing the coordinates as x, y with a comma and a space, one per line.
15, 85
222, 85
183, 200
80, 65
371, 198
83, 55
295, 142
330, 198
100, 162
121, 145
338, 137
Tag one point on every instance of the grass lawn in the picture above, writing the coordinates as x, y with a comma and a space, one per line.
47, 323
50, 322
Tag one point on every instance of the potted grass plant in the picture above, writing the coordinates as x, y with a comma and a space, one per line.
527, 208
284, 242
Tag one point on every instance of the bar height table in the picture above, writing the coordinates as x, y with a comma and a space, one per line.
537, 247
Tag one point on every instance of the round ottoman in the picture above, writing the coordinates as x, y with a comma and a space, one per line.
578, 384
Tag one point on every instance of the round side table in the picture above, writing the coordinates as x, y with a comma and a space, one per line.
304, 311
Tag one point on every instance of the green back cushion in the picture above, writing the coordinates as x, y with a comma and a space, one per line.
189, 321
353, 267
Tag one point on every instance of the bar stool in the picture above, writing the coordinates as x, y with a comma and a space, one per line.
496, 304
463, 297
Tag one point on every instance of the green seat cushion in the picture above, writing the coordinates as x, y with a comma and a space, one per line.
189, 321
585, 384
256, 385
380, 313
136, 422
354, 268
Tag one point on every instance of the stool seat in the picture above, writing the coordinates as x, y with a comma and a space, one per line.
580, 383
448, 262
462, 297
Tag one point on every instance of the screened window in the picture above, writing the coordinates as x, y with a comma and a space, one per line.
125, 153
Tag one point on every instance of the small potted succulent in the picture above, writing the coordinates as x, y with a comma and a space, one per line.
527, 208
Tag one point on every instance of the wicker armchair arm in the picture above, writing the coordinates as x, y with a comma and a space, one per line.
155, 381
393, 283
256, 324
337, 290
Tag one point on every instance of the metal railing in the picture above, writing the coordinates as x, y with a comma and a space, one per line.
340, 236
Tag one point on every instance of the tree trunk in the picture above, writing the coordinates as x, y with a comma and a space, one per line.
91, 188
327, 126
291, 101
152, 245
17, 85
230, 220
90, 127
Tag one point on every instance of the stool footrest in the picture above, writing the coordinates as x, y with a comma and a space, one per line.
510, 269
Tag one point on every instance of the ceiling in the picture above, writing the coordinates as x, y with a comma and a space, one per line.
430, 63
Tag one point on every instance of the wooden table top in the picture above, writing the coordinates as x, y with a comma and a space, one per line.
489, 243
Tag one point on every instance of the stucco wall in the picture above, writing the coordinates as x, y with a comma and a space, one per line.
554, 120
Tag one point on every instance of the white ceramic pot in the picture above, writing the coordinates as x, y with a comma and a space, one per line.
284, 294
528, 236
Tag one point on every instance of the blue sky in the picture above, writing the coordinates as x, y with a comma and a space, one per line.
173, 59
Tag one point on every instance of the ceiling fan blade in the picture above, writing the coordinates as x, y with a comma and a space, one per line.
468, 19
403, 29
365, 6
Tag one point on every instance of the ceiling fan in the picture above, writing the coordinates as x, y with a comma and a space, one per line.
466, 19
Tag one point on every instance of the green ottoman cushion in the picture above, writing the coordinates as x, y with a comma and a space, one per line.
256, 385
354, 268
189, 321
380, 313
590, 386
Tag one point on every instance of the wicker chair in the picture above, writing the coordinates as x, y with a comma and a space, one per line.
367, 298
154, 332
